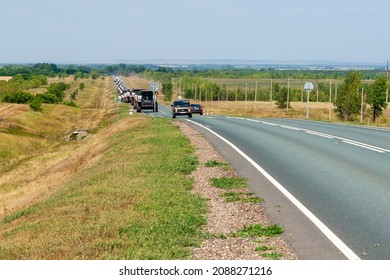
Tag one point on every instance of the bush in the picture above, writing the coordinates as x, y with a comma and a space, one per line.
36, 104
18, 97
49, 98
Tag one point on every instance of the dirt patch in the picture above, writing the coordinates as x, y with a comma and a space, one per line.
224, 218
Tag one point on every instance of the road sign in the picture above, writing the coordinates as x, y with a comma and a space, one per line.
153, 86
308, 86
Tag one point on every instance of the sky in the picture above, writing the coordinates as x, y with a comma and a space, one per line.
130, 31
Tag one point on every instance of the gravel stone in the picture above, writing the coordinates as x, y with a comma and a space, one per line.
224, 218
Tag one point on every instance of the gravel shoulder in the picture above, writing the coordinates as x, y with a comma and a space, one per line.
225, 218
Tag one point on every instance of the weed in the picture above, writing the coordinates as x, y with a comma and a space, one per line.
272, 256
215, 163
19, 214
228, 183
264, 248
241, 197
256, 230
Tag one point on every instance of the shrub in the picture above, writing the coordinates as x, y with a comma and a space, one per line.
18, 97
36, 104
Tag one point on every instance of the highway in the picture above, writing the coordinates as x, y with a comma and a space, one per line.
340, 174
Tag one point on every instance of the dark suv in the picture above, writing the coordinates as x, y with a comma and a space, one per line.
197, 109
145, 99
181, 107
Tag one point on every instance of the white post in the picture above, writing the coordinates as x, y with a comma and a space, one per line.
307, 104
387, 88
246, 94
330, 100
361, 107
255, 94
288, 92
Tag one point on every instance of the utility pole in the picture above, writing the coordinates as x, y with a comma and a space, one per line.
256, 95
270, 93
227, 95
288, 91
361, 107
195, 92
330, 100
246, 94
387, 88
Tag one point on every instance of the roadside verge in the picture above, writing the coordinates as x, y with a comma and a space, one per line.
234, 228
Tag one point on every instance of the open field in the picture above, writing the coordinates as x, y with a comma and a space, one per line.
5, 78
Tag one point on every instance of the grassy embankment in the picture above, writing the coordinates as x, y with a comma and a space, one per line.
112, 197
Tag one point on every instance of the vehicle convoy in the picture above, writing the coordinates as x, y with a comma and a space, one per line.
134, 92
181, 107
145, 99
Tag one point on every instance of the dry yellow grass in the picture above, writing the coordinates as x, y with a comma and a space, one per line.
35, 154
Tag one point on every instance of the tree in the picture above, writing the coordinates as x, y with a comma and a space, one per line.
377, 96
348, 98
36, 104
167, 89
281, 98
58, 90
74, 94
94, 74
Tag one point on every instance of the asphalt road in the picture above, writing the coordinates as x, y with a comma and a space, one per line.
340, 174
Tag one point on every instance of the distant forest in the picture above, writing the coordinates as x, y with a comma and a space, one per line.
224, 71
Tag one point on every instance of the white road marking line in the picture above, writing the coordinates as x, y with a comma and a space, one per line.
329, 136
319, 134
291, 127
320, 225
363, 146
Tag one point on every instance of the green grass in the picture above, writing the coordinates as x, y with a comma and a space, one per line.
272, 255
241, 197
256, 230
228, 183
129, 205
216, 163
264, 248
